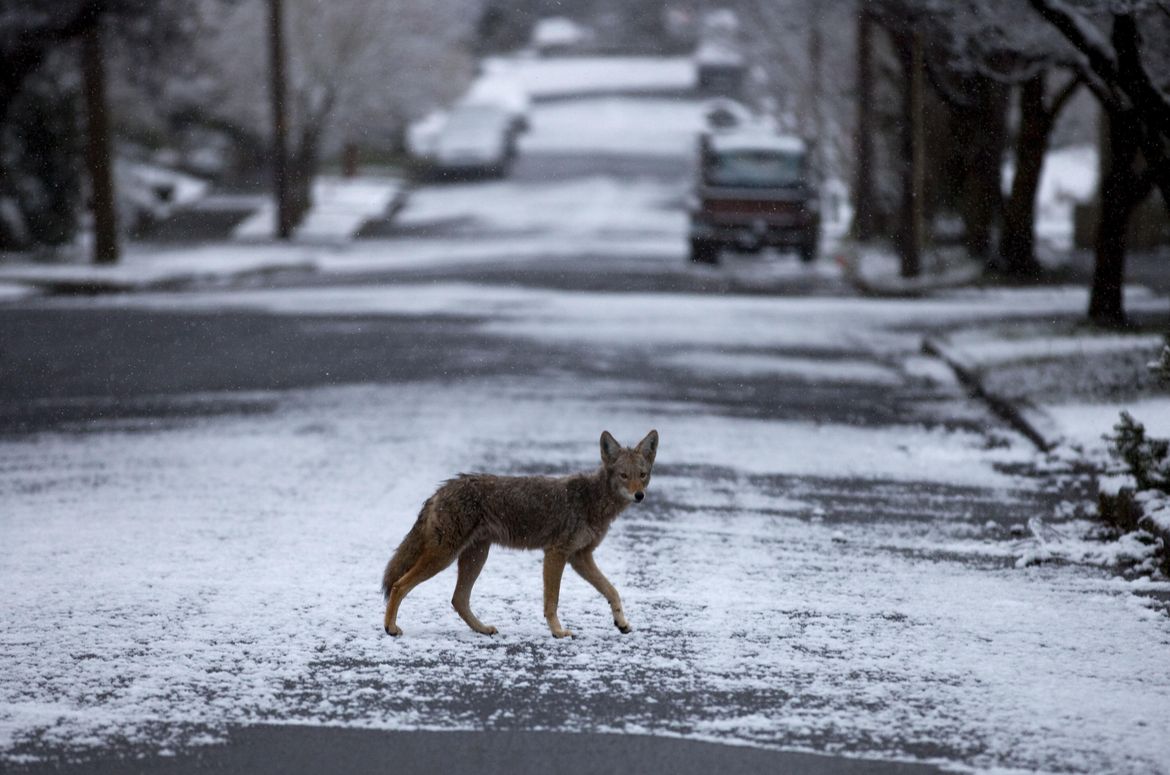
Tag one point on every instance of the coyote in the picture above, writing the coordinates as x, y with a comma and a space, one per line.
567, 517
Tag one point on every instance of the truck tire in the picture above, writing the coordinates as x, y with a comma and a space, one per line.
808, 252
704, 252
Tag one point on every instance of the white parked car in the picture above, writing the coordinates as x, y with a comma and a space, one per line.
500, 91
475, 139
149, 193
422, 135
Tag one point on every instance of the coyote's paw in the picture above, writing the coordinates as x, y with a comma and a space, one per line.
393, 629
563, 634
624, 629
487, 630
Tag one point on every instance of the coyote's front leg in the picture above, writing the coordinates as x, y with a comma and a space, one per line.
554, 566
583, 563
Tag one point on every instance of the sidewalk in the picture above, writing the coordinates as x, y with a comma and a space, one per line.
1064, 385
341, 206
151, 268
230, 243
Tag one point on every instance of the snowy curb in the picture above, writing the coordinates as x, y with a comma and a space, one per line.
16, 291
1120, 504
1026, 418
89, 280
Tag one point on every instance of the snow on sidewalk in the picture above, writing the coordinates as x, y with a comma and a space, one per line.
145, 267
1079, 378
341, 206
15, 291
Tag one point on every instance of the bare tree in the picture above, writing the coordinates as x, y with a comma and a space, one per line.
805, 49
98, 159
1124, 49
357, 71
1038, 111
864, 204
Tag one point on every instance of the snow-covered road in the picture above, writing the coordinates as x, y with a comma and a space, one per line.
827, 560
838, 554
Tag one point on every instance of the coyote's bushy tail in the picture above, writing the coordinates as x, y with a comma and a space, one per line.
405, 556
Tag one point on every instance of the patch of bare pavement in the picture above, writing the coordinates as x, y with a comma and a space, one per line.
290, 750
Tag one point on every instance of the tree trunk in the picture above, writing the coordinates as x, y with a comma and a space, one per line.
1019, 223
913, 159
982, 200
864, 204
302, 168
1118, 199
285, 220
101, 182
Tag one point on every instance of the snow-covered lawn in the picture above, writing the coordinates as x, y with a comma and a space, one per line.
1086, 424
804, 583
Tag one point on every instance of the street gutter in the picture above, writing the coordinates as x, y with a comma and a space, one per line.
1025, 418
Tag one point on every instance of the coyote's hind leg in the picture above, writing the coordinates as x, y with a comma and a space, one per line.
471, 562
431, 562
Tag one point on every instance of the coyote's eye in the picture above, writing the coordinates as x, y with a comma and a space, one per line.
644, 477
625, 477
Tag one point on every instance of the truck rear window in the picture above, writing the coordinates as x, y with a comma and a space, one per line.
754, 169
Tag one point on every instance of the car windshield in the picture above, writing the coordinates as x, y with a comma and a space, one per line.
754, 168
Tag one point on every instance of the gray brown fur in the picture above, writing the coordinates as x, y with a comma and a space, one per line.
567, 517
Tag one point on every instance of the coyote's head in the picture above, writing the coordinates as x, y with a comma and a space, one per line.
627, 471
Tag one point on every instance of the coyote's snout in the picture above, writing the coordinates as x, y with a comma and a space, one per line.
567, 517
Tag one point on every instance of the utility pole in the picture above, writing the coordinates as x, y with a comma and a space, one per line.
97, 131
864, 207
914, 201
284, 216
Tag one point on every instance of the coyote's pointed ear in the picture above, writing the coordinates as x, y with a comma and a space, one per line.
649, 446
609, 448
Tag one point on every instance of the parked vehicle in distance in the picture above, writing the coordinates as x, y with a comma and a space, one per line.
723, 115
422, 136
475, 140
754, 189
720, 69
507, 94
720, 66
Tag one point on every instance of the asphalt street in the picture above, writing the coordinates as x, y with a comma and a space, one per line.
265, 750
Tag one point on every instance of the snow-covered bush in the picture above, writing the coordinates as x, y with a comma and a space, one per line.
1161, 367
1147, 459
